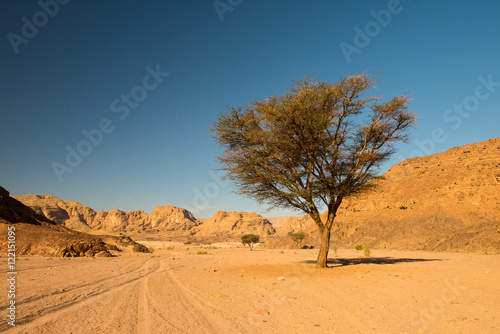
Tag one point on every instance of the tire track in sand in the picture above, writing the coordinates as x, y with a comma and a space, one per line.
29, 324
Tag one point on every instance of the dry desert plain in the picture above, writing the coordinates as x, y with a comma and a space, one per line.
234, 290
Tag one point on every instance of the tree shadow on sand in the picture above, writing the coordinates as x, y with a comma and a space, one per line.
338, 262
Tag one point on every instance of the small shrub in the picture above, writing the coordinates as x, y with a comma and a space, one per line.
367, 252
298, 237
170, 248
358, 247
202, 252
49, 259
187, 243
250, 240
281, 252
187, 248
334, 247
151, 249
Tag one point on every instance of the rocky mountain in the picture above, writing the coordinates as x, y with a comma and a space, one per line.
83, 218
164, 221
171, 218
234, 224
446, 201
37, 235
285, 225
119, 221
68, 213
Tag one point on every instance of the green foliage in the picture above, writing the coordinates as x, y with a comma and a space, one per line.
170, 248
298, 237
358, 247
202, 252
250, 240
367, 252
187, 243
335, 248
312, 146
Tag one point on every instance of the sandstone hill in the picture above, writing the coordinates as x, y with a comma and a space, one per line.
285, 225
68, 213
168, 221
37, 235
232, 225
442, 202
83, 218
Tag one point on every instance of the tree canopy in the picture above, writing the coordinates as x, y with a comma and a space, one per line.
312, 146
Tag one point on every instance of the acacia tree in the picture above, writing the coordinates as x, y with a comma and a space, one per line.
312, 146
250, 240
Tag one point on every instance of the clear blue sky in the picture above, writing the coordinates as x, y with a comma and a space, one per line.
81, 66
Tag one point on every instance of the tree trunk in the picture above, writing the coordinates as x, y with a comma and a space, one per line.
321, 262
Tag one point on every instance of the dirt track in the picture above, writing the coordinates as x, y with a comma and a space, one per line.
222, 292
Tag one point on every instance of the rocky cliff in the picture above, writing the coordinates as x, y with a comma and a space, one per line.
37, 235
83, 218
235, 224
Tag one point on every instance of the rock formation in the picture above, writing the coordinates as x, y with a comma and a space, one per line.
171, 218
37, 235
68, 213
235, 224
83, 218
119, 221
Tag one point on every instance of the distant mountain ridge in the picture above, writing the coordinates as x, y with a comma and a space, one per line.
444, 201
167, 219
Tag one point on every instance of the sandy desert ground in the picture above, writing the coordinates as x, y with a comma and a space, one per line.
233, 290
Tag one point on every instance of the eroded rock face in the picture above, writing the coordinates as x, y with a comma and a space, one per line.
116, 220
171, 218
38, 235
83, 218
3, 192
87, 248
234, 223
68, 213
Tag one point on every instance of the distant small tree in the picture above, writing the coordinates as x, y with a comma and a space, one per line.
298, 237
250, 240
313, 146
